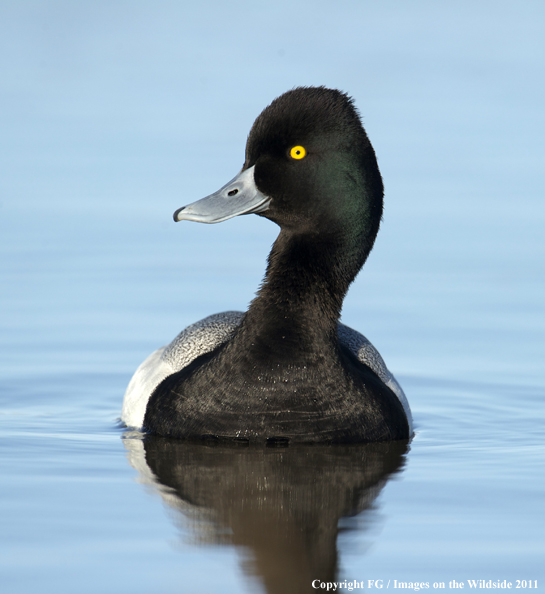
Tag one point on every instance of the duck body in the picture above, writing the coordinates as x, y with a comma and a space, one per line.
287, 369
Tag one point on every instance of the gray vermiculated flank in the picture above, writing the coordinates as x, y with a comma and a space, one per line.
364, 350
201, 337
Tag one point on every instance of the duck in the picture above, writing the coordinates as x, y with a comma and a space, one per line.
286, 370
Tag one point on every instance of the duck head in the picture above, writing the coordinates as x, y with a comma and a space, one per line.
309, 167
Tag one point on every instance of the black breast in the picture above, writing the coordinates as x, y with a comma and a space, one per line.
239, 394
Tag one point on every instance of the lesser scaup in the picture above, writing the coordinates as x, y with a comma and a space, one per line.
286, 369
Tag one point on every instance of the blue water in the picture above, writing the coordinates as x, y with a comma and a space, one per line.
114, 115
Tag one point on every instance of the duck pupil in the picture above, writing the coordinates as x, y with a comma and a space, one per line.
232, 192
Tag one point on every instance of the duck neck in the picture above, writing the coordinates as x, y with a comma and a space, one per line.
302, 294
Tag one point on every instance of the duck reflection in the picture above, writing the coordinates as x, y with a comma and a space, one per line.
283, 504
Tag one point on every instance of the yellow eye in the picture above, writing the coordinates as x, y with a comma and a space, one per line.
298, 152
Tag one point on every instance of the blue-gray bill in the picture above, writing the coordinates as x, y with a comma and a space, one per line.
240, 196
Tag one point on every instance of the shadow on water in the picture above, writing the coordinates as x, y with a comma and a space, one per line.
282, 504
